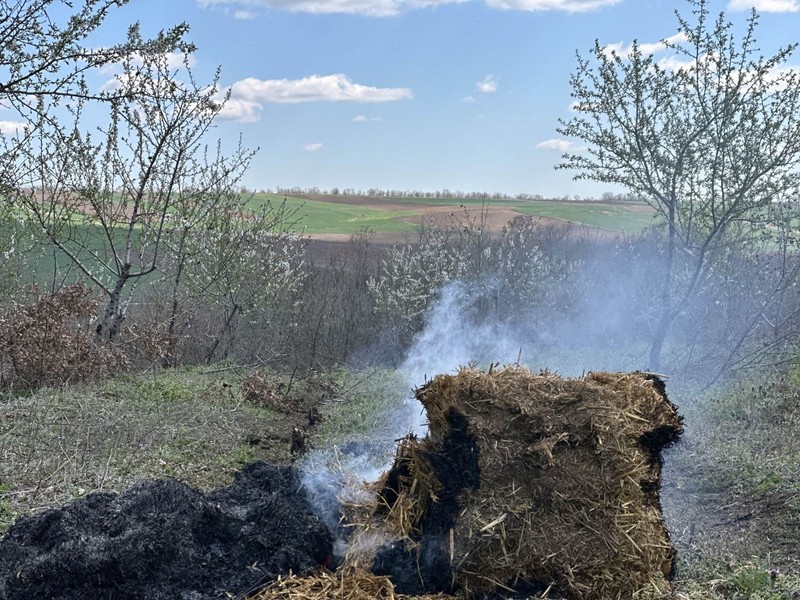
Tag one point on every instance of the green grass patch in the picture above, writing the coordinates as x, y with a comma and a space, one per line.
346, 216
612, 217
732, 490
365, 407
314, 216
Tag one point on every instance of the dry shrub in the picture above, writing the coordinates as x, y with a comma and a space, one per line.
48, 342
259, 390
150, 343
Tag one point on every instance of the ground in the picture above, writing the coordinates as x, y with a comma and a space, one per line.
731, 490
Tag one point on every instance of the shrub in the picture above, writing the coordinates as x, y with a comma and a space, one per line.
48, 342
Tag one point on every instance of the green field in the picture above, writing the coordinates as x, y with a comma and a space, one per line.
611, 217
348, 215
314, 216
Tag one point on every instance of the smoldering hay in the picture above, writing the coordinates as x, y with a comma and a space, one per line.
525, 484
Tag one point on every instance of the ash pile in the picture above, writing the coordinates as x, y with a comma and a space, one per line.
163, 539
528, 485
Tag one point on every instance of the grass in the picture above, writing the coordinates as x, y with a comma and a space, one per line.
367, 406
732, 491
611, 217
315, 217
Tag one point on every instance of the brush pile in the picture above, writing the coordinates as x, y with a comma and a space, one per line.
529, 484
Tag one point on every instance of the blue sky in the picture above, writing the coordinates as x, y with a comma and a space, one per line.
414, 94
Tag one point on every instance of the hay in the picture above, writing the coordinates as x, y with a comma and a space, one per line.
564, 493
343, 585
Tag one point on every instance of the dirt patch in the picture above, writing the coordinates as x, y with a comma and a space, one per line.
496, 217
163, 539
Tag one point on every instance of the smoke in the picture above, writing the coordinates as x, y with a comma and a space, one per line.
462, 327
454, 336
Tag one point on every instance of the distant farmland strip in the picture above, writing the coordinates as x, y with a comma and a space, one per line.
316, 216
349, 214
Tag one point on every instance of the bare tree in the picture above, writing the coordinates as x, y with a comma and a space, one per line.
106, 205
44, 50
45, 54
710, 140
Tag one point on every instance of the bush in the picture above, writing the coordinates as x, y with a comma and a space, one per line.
48, 341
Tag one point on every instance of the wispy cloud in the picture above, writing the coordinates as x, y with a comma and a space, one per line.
559, 145
469, 100
248, 96
244, 15
624, 50
779, 78
11, 127
573, 6
370, 8
314, 88
487, 85
773, 6
117, 78
390, 8
312, 147
365, 119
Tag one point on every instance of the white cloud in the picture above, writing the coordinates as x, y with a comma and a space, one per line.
624, 50
673, 63
774, 6
315, 88
469, 100
312, 147
557, 144
11, 127
390, 8
241, 111
370, 8
117, 78
365, 119
487, 85
244, 15
573, 6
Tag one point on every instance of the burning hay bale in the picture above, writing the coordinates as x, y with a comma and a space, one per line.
531, 483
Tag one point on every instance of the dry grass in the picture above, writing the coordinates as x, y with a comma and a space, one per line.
343, 585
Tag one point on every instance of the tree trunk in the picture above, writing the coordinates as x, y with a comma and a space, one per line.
226, 329
665, 298
169, 356
112, 315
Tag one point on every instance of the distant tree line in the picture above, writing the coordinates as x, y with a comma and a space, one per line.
445, 194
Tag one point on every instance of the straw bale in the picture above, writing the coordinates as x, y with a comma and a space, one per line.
567, 495
345, 584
